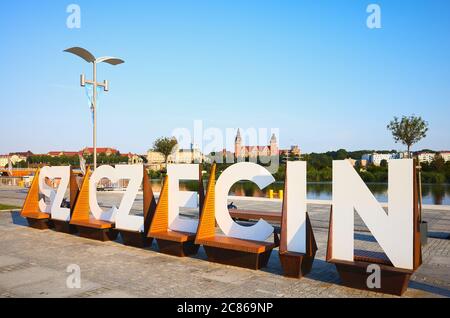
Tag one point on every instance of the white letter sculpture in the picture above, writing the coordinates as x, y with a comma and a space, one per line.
132, 172
124, 220
392, 230
241, 171
296, 206
56, 197
179, 198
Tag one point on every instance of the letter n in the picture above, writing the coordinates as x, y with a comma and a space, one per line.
392, 230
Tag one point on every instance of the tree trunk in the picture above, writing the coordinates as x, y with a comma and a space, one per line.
409, 153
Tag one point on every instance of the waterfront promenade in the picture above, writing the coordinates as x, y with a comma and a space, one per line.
33, 263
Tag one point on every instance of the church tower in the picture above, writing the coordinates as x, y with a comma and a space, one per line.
273, 146
238, 144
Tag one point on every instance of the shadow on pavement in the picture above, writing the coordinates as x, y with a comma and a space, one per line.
17, 219
430, 289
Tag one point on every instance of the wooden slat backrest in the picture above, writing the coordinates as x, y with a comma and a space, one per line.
311, 244
149, 202
417, 244
330, 237
201, 189
207, 223
160, 222
82, 211
31, 204
269, 216
74, 189
283, 234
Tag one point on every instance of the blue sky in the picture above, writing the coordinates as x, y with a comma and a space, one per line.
310, 68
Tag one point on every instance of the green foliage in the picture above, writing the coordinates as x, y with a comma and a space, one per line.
433, 177
8, 207
74, 160
447, 171
158, 175
408, 130
20, 164
165, 145
438, 171
438, 164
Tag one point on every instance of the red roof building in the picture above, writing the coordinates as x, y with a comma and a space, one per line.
107, 151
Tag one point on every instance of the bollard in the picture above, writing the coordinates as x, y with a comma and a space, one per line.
280, 194
270, 194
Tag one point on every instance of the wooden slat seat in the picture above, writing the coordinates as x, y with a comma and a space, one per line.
137, 238
236, 244
269, 216
36, 215
174, 236
175, 243
224, 249
371, 257
93, 223
31, 210
74, 189
85, 223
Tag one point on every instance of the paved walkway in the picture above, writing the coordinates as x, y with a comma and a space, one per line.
33, 264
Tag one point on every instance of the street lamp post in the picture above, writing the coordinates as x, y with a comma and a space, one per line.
88, 57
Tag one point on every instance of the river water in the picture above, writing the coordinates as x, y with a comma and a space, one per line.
431, 193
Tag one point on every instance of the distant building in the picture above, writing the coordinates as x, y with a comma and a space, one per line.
4, 159
295, 150
376, 158
292, 153
241, 151
427, 157
107, 151
63, 153
156, 161
25, 154
186, 155
445, 155
134, 159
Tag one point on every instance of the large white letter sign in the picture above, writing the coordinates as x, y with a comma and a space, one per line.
46, 190
296, 206
100, 173
124, 220
56, 197
132, 172
179, 198
241, 171
393, 231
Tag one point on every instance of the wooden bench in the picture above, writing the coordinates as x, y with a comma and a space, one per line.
171, 242
250, 215
31, 211
136, 238
74, 190
227, 250
88, 226
294, 264
393, 280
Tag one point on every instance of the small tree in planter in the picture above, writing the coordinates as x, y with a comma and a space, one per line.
409, 131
